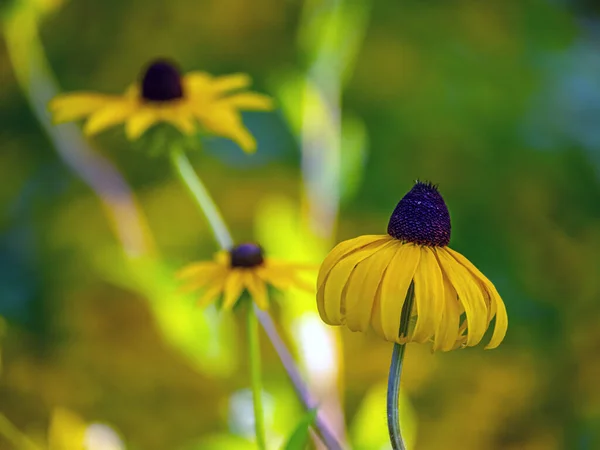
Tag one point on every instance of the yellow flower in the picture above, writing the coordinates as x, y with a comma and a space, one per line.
164, 95
363, 282
243, 267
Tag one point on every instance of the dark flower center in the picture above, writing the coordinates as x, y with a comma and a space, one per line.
161, 82
421, 217
246, 255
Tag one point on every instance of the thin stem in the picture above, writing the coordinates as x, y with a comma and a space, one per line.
393, 393
190, 179
254, 353
13, 435
186, 174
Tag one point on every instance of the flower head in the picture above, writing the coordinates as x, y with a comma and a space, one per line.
363, 282
164, 95
244, 267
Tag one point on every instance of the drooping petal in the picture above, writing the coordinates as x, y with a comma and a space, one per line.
396, 281
181, 120
332, 292
77, 105
469, 295
258, 290
231, 82
429, 296
363, 285
198, 85
110, 115
497, 307
212, 291
233, 288
226, 122
343, 249
447, 332
197, 269
203, 279
249, 101
139, 122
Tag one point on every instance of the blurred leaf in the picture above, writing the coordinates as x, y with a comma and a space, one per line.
299, 438
67, 431
354, 154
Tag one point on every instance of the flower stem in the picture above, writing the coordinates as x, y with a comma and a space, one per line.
186, 174
13, 435
190, 179
393, 393
254, 352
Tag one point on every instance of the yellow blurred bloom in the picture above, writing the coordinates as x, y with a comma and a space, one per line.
363, 282
243, 268
163, 95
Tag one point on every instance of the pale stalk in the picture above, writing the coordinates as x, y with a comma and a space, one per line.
255, 377
13, 435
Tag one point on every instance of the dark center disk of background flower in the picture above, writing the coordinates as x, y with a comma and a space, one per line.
161, 82
246, 255
421, 217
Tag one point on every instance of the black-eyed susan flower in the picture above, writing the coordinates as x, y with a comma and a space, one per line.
244, 267
163, 95
363, 282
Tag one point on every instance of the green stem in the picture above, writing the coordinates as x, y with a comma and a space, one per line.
393, 394
13, 435
254, 353
186, 174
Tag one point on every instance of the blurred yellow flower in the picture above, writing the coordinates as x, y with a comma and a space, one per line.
163, 95
364, 281
243, 267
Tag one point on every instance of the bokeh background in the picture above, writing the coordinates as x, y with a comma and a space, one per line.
497, 101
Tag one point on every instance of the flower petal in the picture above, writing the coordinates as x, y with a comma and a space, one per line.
196, 269
447, 332
212, 291
362, 287
329, 295
231, 82
258, 290
77, 105
429, 296
226, 122
139, 122
249, 101
394, 287
233, 288
469, 295
111, 114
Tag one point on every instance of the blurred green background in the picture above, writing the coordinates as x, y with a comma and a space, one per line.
497, 101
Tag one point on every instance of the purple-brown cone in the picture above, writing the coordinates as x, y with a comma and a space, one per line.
161, 82
246, 255
421, 217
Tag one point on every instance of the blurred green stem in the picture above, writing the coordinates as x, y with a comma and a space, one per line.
13, 435
254, 353
393, 394
185, 172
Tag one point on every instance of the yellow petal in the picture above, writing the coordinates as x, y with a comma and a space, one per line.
212, 291
226, 122
469, 295
139, 122
183, 122
196, 269
203, 279
197, 84
447, 332
77, 105
332, 291
429, 296
394, 287
363, 285
231, 82
258, 290
249, 101
343, 249
497, 307
112, 114
233, 288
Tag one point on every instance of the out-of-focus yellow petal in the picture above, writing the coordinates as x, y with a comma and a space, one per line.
447, 332
258, 290
67, 431
231, 82
77, 105
111, 114
331, 293
469, 295
249, 101
212, 291
203, 279
497, 307
197, 84
394, 287
182, 121
226, 122
429, 296
363, 285
233, 288
343, 249
197, 269
139, 122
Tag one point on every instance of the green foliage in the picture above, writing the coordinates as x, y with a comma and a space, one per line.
299, 437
